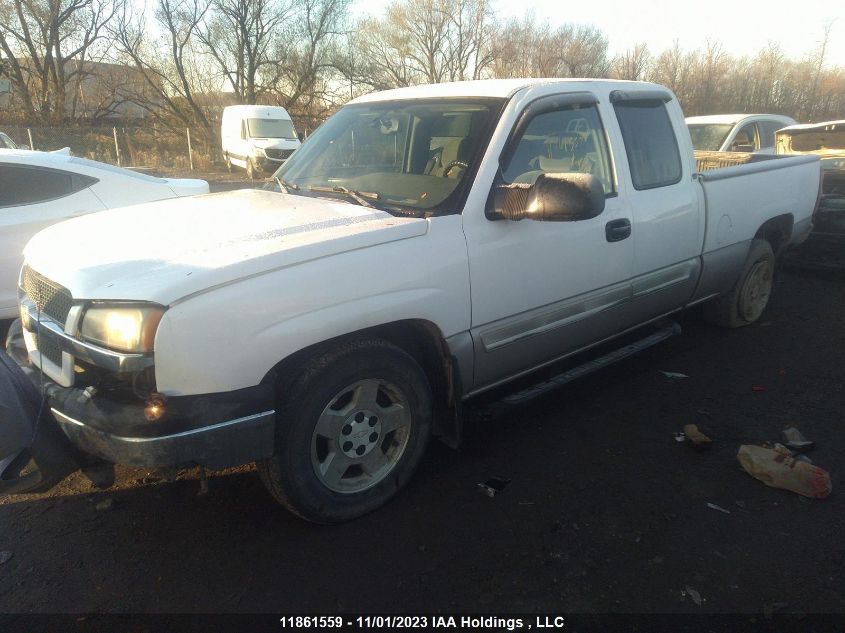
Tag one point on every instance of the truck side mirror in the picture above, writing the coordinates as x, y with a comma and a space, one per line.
565, 197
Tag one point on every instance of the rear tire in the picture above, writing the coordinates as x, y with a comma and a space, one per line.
748, 299
351, 430
228, 163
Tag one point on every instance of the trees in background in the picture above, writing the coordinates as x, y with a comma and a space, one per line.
188, 58
44, 47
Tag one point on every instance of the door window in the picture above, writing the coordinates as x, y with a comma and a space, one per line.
745, 140
650, 143
28, 185
568, 140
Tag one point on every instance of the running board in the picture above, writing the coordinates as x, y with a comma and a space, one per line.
538, 389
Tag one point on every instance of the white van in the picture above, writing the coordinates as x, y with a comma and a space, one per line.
257, 138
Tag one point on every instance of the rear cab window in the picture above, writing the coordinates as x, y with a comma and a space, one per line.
651, 146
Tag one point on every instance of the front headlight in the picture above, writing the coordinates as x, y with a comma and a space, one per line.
123, 328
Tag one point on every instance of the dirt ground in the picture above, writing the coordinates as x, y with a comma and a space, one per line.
605, 511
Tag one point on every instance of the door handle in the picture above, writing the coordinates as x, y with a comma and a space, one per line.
617, 230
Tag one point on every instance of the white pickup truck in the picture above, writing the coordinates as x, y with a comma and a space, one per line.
424, 245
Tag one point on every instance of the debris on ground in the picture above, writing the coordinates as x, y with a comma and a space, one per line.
698, 440
105, 504
692, 593
673, 375
5, 556
778, 469
713, 506
795, 440
758, 388
680, 437
493, 486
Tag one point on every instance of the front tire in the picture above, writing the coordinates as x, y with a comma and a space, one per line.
250, 169
747, 301
351, 430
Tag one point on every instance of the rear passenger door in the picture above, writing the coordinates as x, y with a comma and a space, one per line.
668, 219
32, 198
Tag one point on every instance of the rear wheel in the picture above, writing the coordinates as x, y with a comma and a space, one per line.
351, 430
748, 299
228, 163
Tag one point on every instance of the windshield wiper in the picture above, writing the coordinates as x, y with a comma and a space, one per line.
286, 186
358, 196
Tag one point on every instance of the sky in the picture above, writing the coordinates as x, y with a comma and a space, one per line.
743, 27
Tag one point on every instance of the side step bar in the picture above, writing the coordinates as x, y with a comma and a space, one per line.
540, 388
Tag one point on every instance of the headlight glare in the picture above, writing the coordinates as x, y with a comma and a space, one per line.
122, 328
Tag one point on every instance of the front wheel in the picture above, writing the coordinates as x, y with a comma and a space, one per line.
250, 169
745, 303
351, 430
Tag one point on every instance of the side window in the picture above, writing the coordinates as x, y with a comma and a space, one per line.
745, 140
28, 185
767, 132
570, 139
650, 143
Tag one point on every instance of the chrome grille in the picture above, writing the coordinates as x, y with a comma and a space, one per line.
278, 154
47, 344
49, 297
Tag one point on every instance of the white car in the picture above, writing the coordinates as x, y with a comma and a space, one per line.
6, 142
753, 133
38, 189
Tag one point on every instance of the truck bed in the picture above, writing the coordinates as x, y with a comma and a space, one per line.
749, 189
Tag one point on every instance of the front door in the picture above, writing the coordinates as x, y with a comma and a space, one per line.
541, 290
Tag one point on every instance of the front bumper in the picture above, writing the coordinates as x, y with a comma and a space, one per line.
220, 445
213, 430
268, 164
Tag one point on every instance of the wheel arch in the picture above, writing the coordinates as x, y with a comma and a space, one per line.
424, 342
777, 231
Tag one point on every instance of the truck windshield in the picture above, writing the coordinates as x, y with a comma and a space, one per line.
708, 137
271, 128
415, 155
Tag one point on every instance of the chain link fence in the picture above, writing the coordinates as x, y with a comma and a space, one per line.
141, 146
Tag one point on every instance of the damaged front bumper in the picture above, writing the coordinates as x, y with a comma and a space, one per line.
212, 430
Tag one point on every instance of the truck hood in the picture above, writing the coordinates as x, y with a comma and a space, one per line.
167, 250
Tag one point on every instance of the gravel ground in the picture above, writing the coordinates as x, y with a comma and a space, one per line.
604, 512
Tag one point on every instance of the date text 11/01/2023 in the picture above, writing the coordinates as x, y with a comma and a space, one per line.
390, 622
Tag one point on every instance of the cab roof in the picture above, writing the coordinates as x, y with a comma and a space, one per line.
501, 88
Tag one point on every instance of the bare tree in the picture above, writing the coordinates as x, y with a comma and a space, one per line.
306, 54
168, 65
240, 35
633, 64
44, 46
